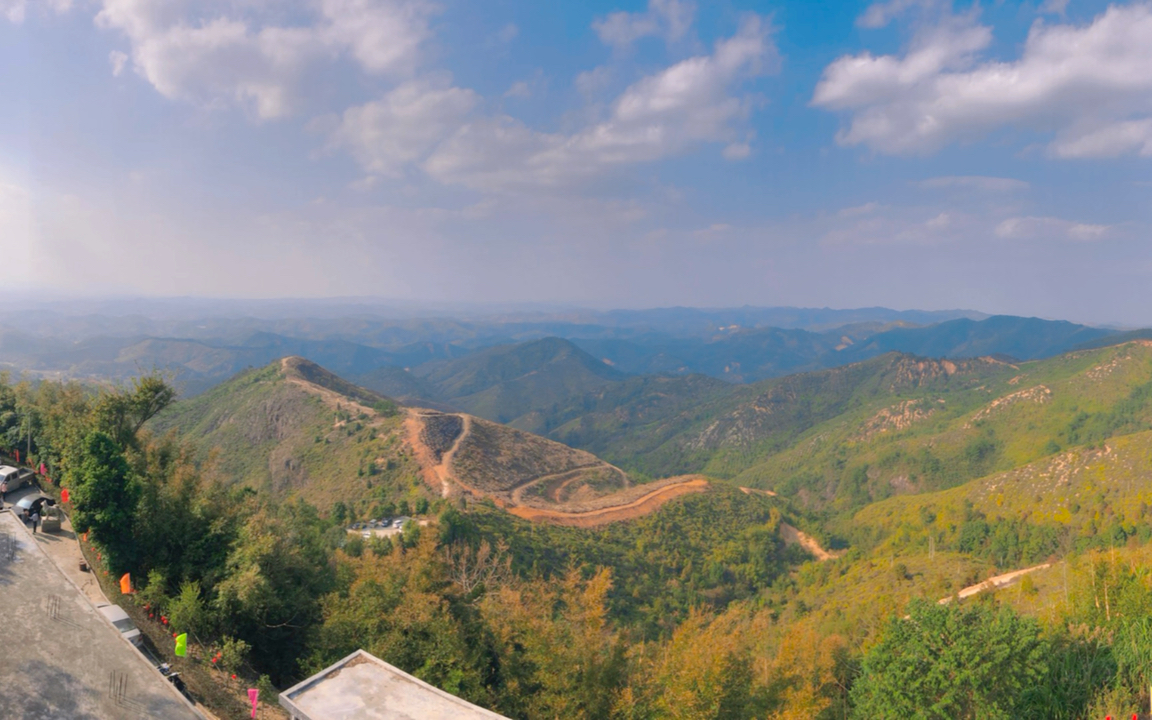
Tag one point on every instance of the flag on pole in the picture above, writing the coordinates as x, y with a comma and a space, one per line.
182, 645
126, 584
253, 693
64, 495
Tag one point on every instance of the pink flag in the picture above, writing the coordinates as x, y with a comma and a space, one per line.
43, 470
253, 693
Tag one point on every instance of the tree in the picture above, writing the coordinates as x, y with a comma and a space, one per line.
122, 412
105, 496
947, 661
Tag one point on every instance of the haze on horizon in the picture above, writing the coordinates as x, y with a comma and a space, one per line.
626, 154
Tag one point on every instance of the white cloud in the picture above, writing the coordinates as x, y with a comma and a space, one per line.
592, 82
117, 60
737, 151
1120, 138
1054, 7
976, 182
507, 34
518, 89
939, 222
211, 57
881, 14
15, 11
1048, 227
403, 126
1090, 85
383, 35
17, 230
660, 115
670, 19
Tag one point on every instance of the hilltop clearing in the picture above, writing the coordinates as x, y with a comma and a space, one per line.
296, 429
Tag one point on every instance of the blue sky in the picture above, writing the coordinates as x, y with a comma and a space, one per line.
909, 153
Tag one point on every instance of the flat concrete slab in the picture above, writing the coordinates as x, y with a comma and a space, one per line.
59, 659
364, 687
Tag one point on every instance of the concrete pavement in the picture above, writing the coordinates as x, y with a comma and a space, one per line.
59, 659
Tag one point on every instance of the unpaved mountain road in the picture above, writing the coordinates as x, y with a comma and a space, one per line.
643, 505
995, 583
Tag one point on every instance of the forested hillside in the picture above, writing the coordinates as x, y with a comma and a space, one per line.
985, 527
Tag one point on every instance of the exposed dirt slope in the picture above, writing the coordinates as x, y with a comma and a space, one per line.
794, 536
530, 476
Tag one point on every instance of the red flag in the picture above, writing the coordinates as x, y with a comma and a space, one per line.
43, 470
17, 456
64, 496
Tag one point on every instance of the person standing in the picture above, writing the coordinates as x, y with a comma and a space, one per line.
35, 520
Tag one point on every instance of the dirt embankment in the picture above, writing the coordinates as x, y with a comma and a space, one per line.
795, 536
645, 504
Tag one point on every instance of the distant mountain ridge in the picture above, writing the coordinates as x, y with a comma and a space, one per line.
511, 378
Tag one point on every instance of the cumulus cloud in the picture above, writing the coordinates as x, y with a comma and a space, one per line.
1052, 227
660, 115
403, 126
198, 52
976, 182
670, 19
1089, 85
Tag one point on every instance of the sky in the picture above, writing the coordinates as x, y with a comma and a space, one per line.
908, 153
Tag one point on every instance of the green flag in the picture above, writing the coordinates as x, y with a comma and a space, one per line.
182, 645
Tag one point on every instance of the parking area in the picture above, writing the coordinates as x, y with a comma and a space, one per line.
60, 658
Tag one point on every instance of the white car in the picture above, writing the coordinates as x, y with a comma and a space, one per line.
122, 622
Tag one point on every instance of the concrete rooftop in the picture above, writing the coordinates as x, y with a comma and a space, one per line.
59, 659
364, 687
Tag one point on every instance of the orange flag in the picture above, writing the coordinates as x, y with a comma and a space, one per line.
126, 584
64, 495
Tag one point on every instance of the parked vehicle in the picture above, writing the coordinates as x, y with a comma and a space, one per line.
12, 479
122, 622
9, 477
29, 504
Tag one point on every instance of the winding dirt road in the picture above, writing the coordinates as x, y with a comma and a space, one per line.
628, 511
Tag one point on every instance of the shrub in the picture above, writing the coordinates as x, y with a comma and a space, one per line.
186, 611
233, 653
